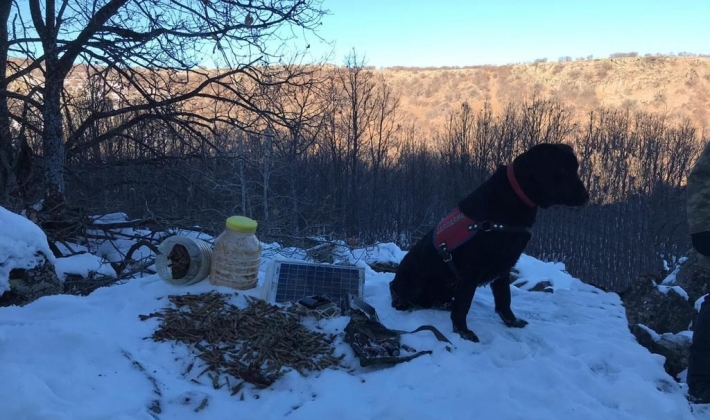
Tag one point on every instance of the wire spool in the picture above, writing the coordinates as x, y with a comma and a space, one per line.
183, 261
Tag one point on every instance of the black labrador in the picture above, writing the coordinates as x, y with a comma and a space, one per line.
491, 227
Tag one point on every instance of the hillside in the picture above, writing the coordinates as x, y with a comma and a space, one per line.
678, 86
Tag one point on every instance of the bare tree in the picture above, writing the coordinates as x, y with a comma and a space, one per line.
357, 110
544, 121
6, 151
153, 56
456, 153
353, 99
382, 134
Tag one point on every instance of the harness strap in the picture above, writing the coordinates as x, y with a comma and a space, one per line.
455, 229
439, 336
446, 256
376, 344
363, 308
473, 227
488, 226
365, 362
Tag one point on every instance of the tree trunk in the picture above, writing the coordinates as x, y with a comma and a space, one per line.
266, 177
6, 151
242, 175
52, 142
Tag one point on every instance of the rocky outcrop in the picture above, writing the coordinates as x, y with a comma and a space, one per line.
543, 286
693, 276
674, 347
26, 261
661, 313
28, 284
384, 267
663, 309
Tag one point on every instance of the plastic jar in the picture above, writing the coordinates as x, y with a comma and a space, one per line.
236, 255
183, 260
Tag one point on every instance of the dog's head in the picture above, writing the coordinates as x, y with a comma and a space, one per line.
547, 173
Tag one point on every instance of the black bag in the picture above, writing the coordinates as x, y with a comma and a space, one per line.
376, 344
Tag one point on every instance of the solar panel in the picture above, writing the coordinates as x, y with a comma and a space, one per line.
290, 281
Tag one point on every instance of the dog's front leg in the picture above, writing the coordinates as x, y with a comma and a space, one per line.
460, 307
502, 298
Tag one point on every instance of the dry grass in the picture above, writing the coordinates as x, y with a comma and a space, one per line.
677, 86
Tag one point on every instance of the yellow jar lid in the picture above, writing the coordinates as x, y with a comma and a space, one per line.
241, 224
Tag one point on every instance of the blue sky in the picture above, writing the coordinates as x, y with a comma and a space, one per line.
473, 32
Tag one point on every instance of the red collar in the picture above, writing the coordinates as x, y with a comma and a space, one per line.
516, 187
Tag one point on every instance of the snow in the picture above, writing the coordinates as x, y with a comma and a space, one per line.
114, 244
654, 335
21, 243
82, 264
671, 277
380, 253
73, 357
681, 337
677, 289
532, 271
109, 218
669, 282
68, 248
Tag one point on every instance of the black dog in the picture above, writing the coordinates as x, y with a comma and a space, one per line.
498, 215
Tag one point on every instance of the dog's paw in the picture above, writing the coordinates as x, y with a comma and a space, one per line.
467, 334
511, 321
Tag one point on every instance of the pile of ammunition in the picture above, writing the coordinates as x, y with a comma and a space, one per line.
257, 344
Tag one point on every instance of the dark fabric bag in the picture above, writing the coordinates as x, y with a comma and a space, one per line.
375, 344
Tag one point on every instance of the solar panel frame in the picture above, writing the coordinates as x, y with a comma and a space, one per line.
292, 280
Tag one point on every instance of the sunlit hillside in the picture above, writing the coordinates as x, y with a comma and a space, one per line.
678, 86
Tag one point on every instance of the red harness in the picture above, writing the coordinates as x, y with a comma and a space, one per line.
455, 229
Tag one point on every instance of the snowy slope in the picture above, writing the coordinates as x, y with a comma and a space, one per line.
69, 357
22, 245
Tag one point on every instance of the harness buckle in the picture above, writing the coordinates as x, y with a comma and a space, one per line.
443, 251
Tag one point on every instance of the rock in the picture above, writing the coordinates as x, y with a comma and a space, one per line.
27, 285
76, 284
384, 267
674, 347
662, 312
543, 286
693, 276
515, 276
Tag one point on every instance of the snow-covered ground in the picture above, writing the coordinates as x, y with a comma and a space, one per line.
22, 245
71, 357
